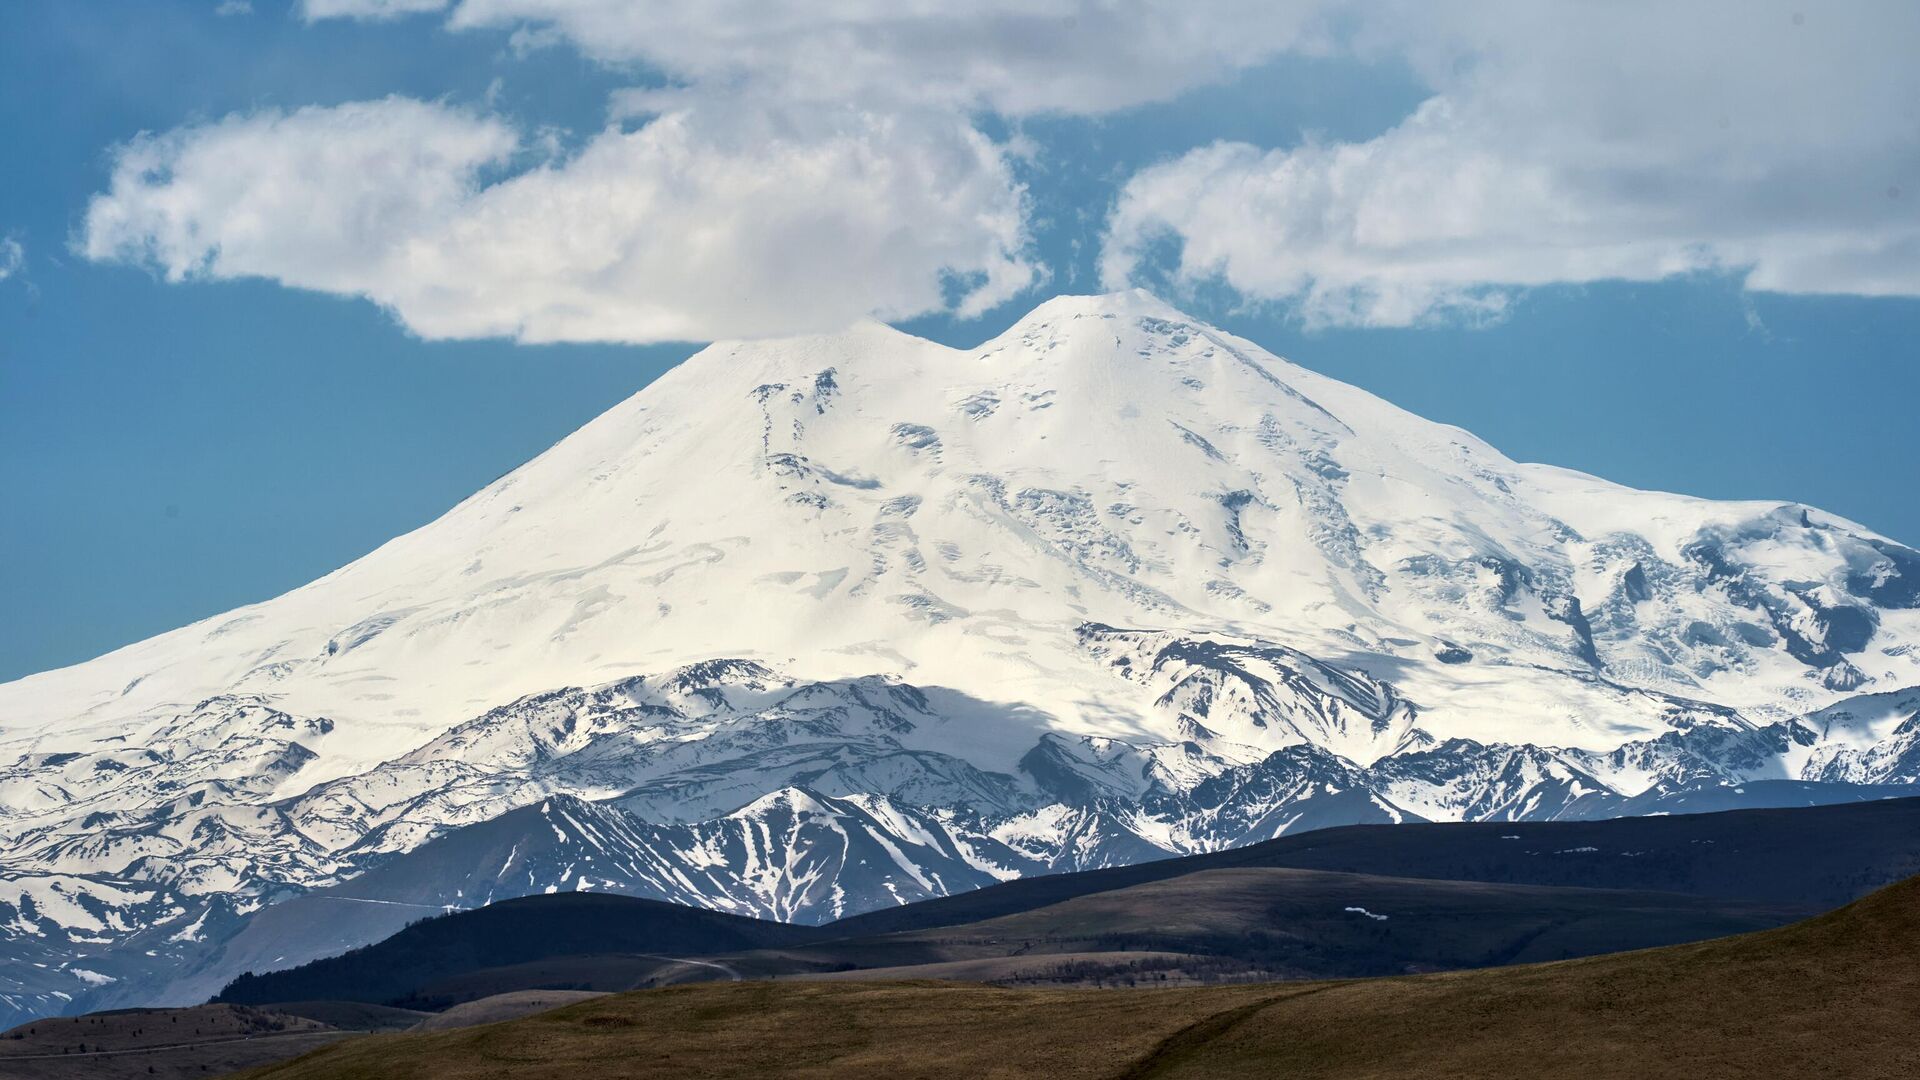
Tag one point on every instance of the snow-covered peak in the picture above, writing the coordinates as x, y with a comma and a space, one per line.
795, 801
1127, 304
816, 625
869, 502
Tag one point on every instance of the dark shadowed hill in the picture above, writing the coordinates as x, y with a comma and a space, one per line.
1238, 924
512, 932
1286, 923
1454, 895
1837, 995
1820, 856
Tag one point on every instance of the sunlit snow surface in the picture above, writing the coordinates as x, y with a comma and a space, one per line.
1059, 599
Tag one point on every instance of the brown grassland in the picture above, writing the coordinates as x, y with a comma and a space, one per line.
1837, 995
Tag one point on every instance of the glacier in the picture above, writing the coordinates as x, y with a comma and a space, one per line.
814, 625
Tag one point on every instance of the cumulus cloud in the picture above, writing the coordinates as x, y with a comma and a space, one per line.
812, 160
13, 257
867, 190
1568, 143
711, 220
1012, 56
313, 198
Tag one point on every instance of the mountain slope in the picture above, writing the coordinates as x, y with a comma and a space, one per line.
791, 853
1832, 996
1829, 996
1111, 586
1704, 872
1245, 922
882, 502
1817, 856
511, 932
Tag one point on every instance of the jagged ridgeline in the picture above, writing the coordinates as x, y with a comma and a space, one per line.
821, 625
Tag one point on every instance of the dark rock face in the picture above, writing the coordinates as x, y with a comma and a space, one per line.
1633, 584
1566, 608
1890, 581
866, 822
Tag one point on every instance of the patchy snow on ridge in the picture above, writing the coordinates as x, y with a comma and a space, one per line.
1137, 468
1110, 586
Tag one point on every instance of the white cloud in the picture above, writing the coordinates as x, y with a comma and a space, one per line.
716, 219
234, 7
1570, 143
367, 9
315, 198
13, 257
1563, 143
866, 191
1012, 56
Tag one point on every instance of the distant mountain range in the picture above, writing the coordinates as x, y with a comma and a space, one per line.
819, 626
1313, 904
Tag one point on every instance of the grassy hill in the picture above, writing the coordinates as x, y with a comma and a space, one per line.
1821, 856
1836, 995
508, 933
205, 1040
1273, 922
1761, 868
1235, 924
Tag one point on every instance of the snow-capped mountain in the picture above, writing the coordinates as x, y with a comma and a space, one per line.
833, 622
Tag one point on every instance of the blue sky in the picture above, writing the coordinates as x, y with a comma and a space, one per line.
331, 294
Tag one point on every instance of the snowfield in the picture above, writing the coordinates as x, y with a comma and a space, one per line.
821, 624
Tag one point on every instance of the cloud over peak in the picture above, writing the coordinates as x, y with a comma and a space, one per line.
807, 162
704, 222
1568, 144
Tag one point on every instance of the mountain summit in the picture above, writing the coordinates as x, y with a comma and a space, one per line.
1111, 585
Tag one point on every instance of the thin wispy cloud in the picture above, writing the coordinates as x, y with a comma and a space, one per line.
13, 257
367, 9
1013, 57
